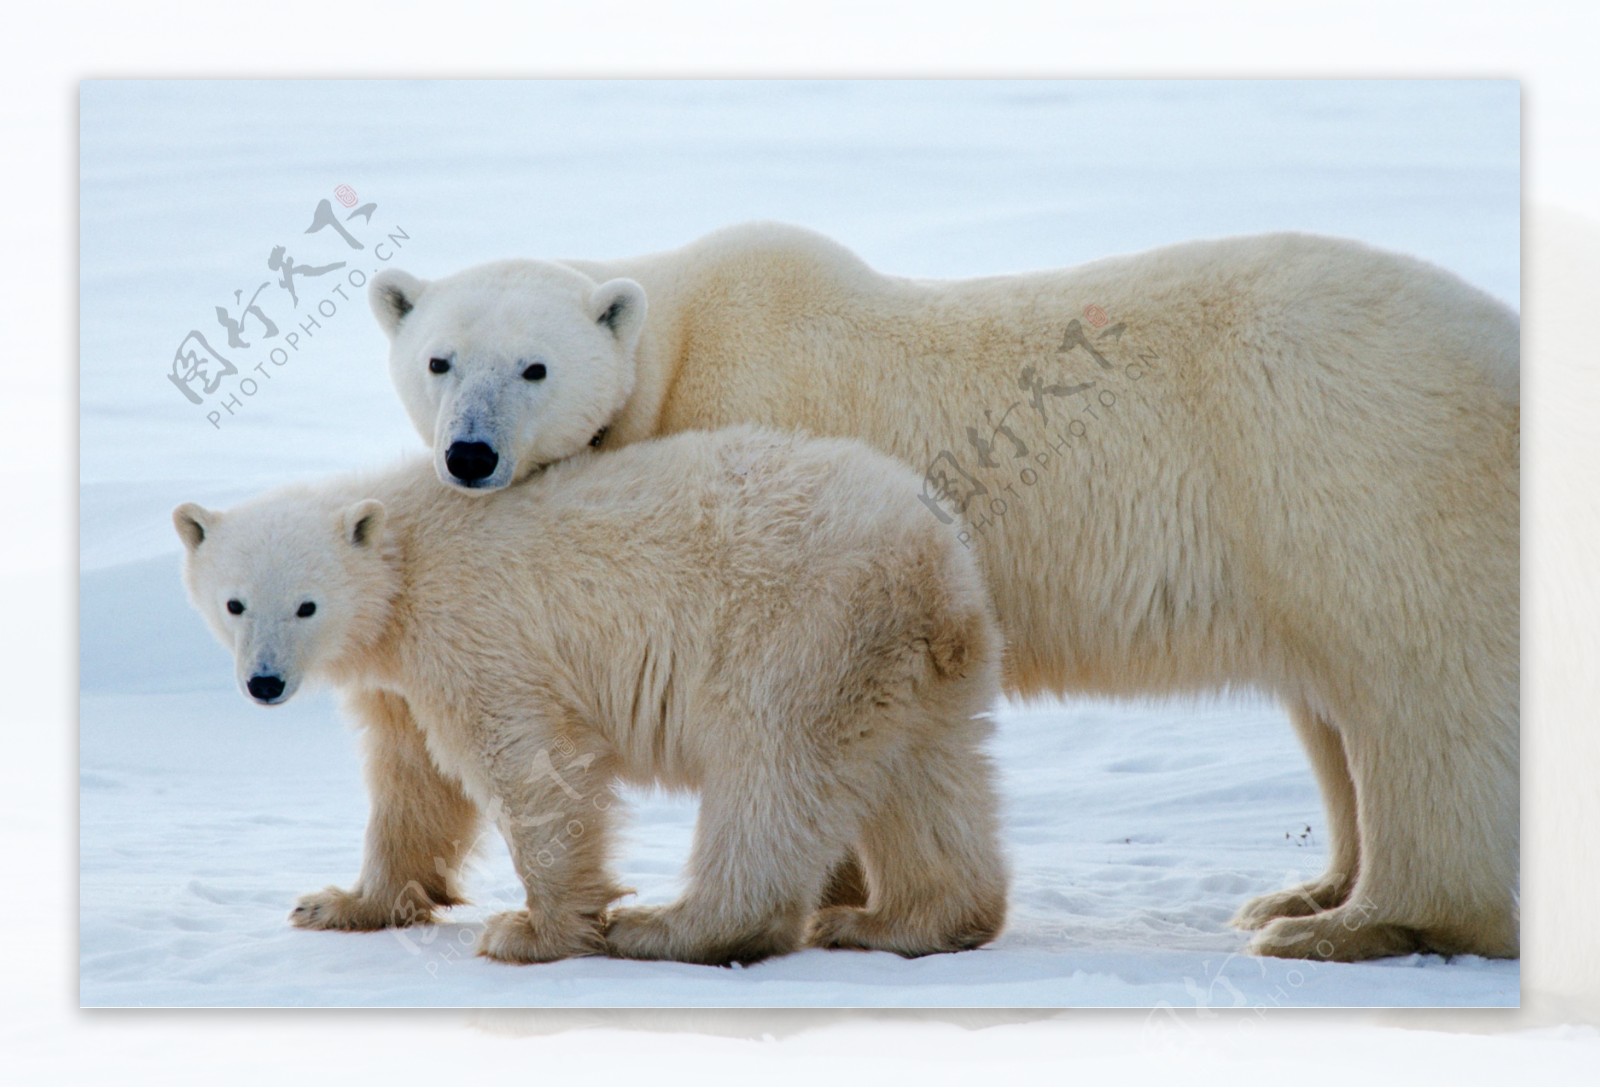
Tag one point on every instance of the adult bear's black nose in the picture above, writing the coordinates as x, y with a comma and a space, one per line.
470, 462
265, 688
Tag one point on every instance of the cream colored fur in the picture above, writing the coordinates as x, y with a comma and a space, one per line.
1284, 462
770, 620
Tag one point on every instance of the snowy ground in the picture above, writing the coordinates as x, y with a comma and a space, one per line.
1135, 830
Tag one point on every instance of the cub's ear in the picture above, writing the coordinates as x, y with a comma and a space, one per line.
394, 294
619, 305
193, 522
362, 523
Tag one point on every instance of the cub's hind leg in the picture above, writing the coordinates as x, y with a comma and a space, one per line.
847, 883
935, 869
767, 832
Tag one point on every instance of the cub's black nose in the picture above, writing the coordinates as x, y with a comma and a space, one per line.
470, 462
265, 688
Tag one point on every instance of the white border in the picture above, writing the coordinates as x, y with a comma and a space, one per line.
1549, 46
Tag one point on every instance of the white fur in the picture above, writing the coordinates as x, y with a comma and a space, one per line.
1293, 466
285, 568
489, 326
771, 620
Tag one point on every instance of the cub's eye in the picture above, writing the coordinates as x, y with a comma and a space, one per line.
236, 606
438, 366
307, 608
535, 373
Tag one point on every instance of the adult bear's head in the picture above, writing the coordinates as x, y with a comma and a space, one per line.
509, 366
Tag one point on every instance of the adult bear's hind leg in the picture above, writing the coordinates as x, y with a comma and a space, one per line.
1325, 749
1436, 790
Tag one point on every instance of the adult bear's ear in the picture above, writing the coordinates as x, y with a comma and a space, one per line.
363, 522
193, 522
619, 305
394, 294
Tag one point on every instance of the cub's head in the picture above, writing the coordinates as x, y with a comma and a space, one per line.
507, 367
289, 585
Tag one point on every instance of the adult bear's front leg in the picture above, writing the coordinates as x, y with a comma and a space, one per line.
421, 830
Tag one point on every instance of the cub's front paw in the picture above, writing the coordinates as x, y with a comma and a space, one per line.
514, 937
335, 908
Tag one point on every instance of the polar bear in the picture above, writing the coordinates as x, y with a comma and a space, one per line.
1283, 462
771, 620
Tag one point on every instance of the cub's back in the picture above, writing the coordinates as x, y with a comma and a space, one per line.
710, 531
719, 496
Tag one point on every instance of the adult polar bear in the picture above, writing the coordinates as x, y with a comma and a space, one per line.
1283, 462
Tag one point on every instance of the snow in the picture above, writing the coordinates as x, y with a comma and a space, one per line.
1135, 829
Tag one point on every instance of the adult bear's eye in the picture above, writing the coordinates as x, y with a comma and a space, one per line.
535, 373
307, 608
236, 606
438, 366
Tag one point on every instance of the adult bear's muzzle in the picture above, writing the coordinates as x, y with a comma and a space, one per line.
471, 462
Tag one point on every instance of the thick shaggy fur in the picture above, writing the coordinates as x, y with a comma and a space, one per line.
1281, 462
770, 620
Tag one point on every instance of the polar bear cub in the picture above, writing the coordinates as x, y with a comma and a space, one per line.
769, 619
